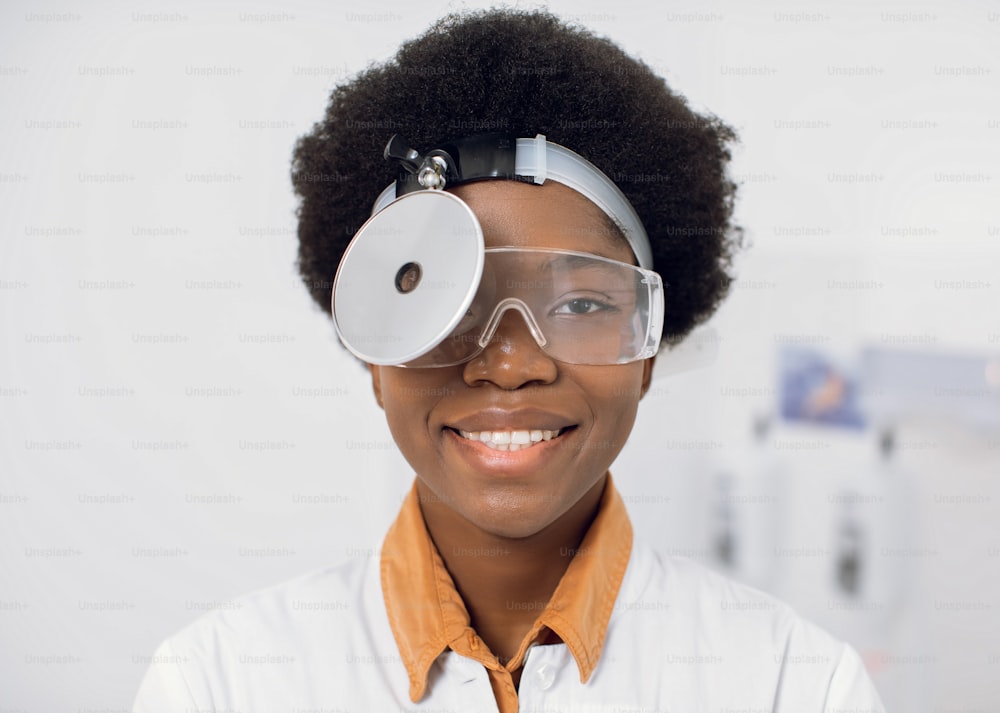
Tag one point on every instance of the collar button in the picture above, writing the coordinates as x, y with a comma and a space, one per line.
545, 676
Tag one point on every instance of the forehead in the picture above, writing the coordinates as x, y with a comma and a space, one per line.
551, 215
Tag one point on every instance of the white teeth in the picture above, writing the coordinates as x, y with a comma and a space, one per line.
509, 440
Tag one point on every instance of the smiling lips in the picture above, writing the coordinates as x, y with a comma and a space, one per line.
509, 440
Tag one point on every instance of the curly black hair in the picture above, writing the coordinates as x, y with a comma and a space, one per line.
527, 72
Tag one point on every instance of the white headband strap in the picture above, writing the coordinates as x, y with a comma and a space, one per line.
543, 160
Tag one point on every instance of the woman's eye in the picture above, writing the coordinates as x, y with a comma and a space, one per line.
582, 305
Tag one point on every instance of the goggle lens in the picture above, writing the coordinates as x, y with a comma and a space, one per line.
580, 308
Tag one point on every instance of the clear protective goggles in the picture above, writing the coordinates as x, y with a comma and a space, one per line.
417, 287
579, 308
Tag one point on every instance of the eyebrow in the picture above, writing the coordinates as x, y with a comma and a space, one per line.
577, 261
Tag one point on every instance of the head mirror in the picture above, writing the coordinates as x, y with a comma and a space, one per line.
408, 277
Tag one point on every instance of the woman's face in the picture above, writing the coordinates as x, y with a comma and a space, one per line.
514, 387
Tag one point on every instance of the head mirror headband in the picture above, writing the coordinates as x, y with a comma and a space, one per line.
529, 160
413, 269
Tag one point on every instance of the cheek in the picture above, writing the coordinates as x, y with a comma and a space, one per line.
615, 396
408, 396
400, 397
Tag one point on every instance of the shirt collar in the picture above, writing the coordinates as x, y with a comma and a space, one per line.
427, 615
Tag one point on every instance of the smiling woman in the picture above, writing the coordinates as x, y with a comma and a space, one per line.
511, 388
510, 372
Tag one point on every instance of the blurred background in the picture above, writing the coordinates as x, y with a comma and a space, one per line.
178, 425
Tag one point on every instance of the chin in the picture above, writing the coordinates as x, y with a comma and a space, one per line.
511, 522
511, 531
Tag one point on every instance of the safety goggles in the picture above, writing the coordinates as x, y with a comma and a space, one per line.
579, 308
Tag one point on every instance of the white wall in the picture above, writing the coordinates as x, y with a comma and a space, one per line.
177, 425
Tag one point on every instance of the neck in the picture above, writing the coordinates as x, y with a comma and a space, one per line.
506, 582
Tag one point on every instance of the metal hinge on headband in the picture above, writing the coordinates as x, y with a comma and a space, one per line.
431, 170
454, 162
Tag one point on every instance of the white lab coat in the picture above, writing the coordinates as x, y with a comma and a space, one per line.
681, 639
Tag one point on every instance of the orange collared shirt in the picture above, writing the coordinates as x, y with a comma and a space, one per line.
427, 615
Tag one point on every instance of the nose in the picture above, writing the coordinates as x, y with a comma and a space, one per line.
512, 358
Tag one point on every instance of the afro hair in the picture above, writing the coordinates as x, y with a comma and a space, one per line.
524, 73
